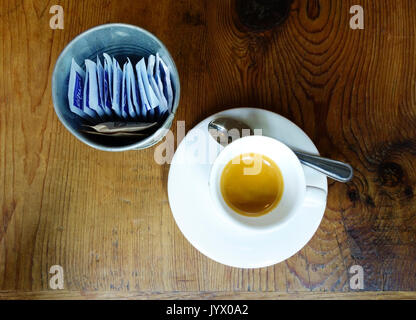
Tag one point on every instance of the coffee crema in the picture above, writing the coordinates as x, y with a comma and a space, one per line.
252, 184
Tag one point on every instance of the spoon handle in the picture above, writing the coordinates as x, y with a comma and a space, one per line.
336, 170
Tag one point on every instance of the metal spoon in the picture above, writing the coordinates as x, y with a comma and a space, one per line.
336, 170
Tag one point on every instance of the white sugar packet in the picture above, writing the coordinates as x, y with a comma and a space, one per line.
76, 90
164, 76
117, 79
102, 89
163, 105
131, 89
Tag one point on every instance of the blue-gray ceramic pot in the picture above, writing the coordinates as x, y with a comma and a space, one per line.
121, 41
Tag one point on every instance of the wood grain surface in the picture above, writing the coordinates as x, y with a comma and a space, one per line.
105, 217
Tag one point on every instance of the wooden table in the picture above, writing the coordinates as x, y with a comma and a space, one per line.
105, 217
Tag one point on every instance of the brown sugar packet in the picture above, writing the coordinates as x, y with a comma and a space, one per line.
119, 127
116, 134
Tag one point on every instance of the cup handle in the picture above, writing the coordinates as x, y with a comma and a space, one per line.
314, 197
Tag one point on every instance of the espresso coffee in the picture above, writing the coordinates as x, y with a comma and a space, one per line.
252, 184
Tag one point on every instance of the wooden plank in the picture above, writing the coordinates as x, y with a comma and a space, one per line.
189, 295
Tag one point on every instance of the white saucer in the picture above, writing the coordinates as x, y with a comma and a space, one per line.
193, 210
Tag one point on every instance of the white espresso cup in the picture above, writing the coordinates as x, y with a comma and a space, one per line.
294, 191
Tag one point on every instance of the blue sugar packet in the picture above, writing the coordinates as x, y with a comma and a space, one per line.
131, 89
94, 100
117, 79
102, 89
146, 111
108, 72
150, 94
157, 73
163, 103
123, 107
86, 99
167, 84
156, 110
100, 81
107, 86
134, 91
159, 81
76, 90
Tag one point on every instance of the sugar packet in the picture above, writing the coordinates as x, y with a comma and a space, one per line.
117, 81
146, 111
163, 103
94, 101
117, 134
102, 88
123, 105
151, 96
130, 88
108, 73
135, 101
108, 85
164, 77
76, 90
86, 100
113, 127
